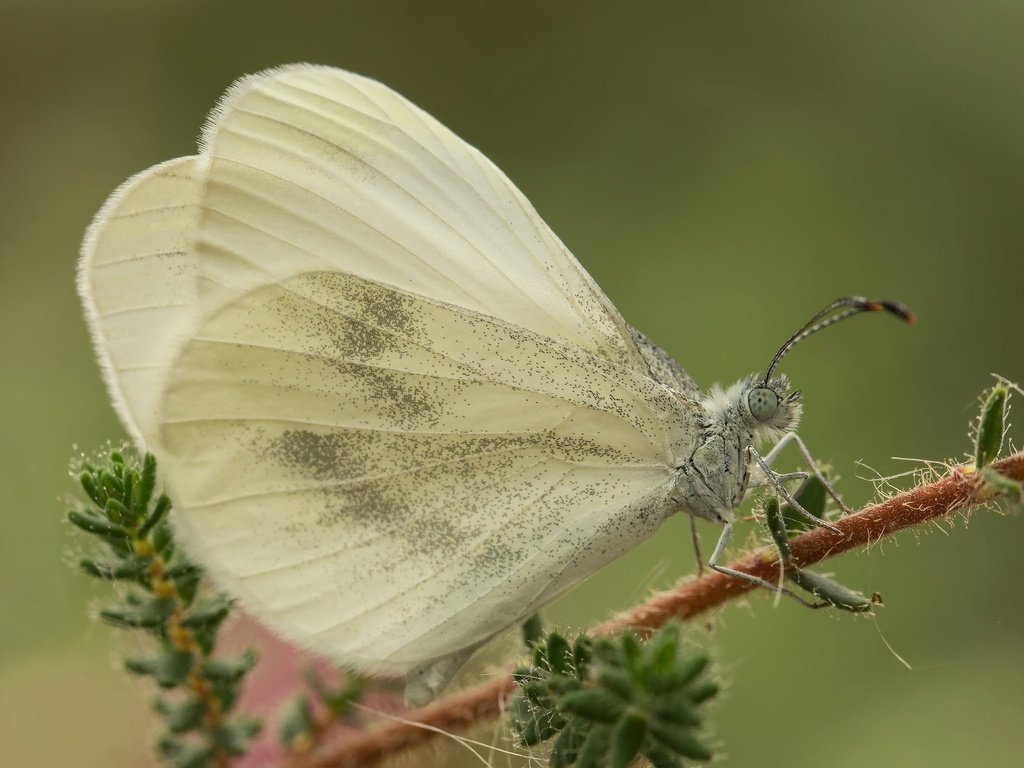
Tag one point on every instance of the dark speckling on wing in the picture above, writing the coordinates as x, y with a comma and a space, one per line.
402, 460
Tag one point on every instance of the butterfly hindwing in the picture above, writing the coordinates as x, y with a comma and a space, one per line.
138, 282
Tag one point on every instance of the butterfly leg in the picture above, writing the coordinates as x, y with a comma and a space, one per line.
723, 540
793, 437
776, 480
696, 545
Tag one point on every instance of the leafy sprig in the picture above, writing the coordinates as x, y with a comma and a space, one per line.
605, 701
989, 436
161, 596
305, 717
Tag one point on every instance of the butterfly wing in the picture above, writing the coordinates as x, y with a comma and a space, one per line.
392, 479
137, 279
313, 168
395, 414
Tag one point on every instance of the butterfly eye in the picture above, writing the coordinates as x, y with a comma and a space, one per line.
763, 403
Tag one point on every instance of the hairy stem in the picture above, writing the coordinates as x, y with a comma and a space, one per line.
961, 488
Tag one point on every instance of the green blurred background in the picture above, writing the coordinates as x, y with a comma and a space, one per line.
721, 170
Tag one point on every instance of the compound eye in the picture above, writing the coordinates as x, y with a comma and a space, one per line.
763, 403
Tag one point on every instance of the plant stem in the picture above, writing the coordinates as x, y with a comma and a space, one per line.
961, 488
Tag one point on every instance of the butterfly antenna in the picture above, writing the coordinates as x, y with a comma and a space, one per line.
840, 309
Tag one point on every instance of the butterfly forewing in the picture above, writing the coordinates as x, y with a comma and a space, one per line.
312, 168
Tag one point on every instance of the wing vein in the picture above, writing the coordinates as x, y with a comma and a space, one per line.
279, 147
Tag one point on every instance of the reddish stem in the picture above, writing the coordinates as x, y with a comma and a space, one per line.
688, 599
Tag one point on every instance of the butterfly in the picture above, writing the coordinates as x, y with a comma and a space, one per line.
395, 414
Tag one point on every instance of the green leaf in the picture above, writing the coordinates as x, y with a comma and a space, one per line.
194, 755
139, 666
540, 727
147, 482
607, 651
228, 669
991, 426
168, 747
181, 716
689, 668
87, 480
565, 748
187, 585
205, 616
522, 675
110, 485
340, 702
148, 614
596, 704
557, 653
662, 757
536, 691
234, 738
205, 639
581, 655
181, 568
533, 630
227, 692
118, 568
160, 509
661, 650
626, 738
296, 726
99, 526
703, 691
618, 681
163, 540
812, 496
540, 657
631, 649
173, 667
560, 684
529, 731
595, 747
127, 500
678, 675
678, 708
680, 740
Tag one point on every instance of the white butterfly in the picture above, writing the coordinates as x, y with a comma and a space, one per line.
394, 413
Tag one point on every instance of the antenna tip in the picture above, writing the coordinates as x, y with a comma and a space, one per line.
893, 308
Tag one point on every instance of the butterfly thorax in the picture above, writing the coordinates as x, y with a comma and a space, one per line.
714, 479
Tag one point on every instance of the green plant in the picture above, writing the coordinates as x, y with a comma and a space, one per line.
160, 594
606, 700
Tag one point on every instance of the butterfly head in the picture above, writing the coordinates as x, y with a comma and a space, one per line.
753, 410
770, 407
